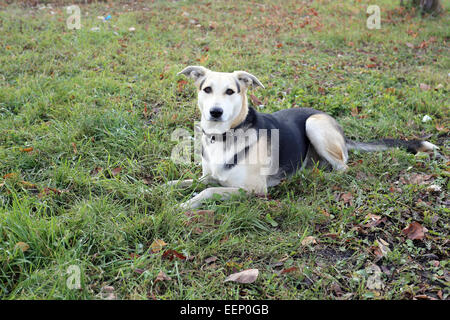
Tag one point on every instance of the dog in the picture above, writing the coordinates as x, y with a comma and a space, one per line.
245, 149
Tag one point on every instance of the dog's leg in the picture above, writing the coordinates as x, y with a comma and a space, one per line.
328, 140
195, 202
188, 182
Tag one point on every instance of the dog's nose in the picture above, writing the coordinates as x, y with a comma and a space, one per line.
216, 112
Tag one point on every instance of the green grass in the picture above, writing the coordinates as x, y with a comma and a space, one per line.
85, 100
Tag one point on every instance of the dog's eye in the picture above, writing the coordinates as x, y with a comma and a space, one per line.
229, 92
207, 89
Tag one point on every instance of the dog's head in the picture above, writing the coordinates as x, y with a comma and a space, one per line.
222, 97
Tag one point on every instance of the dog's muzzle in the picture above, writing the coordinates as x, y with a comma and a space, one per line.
216, 113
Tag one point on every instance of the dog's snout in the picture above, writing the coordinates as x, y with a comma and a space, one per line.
216, 112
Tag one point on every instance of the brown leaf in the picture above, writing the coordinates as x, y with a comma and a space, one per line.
423, 297
418, 178
424, 87
308, 240
374, 220
180, 84
74, 147
162, 277
255, 100
170, 254
347, 198
96, 171
415, 231
116, 171
157, 245
210, 260
22, 246
371, 65
288, 270
246, 276
26, 149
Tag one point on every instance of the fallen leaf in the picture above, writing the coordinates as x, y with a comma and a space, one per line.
423, 297
374, 281
374, 220
417, 178
170, 254
180, 84
308, 240
22, 246
288, 270
139, 271
255, 100
107, 293
371, 65
203, 59
347, 198
415, 231
384, 247
74, 147
96, 171
162, 277
26, 149
246, 276
210, 260
424, 87
116, 171
409, 45
157, 245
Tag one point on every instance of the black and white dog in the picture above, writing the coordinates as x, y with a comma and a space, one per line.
246, 149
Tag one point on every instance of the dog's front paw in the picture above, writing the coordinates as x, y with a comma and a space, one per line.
188, 205
171, 183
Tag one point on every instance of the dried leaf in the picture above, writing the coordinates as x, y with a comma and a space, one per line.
74, 147
116, 171
288, 270
308, 240
374, 281
180, 84
162, 277
255, 100
424, 87
246, 276
383, 246
107, 293
22, 246
210, 260
157, 245
415, 231
170, 254
96, 171
26, 149
347, 198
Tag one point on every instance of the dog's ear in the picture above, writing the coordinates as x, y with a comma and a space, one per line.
194, 72
247, 79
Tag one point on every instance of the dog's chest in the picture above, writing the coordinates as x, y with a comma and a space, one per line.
229, 167
218, 162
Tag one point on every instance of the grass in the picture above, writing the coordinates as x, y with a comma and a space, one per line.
85, 124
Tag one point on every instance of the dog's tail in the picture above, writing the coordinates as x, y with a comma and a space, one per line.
412, 146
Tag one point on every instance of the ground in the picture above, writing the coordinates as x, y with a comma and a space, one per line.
86, 118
